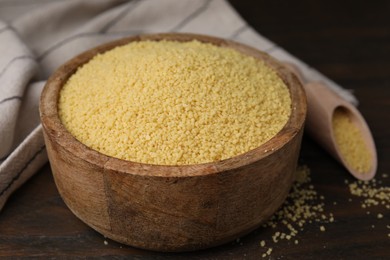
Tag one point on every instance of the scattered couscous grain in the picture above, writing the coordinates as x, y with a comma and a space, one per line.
174, 103
303, 205
268, 253
350, 142
372, 194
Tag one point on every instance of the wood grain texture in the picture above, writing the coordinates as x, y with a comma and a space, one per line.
172, 208
350, 46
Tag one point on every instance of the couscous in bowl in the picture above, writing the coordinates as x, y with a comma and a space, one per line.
172, 207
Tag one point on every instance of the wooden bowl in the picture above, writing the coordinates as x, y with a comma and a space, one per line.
172, 208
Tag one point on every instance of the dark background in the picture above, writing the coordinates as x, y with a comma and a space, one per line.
348, 41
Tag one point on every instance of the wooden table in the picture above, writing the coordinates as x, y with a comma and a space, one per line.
347, 41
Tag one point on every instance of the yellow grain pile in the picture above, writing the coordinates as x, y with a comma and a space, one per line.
350, 142
174, 103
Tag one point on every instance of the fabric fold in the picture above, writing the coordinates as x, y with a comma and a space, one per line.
17, 67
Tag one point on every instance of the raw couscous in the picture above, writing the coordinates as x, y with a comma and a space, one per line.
174, 103
350, 142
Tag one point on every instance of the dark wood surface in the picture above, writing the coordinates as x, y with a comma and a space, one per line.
349, 41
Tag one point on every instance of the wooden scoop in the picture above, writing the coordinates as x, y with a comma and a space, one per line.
322, 103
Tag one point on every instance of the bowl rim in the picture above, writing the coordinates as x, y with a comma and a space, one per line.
57, 132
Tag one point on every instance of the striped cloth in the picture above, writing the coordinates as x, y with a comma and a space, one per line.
37, 36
